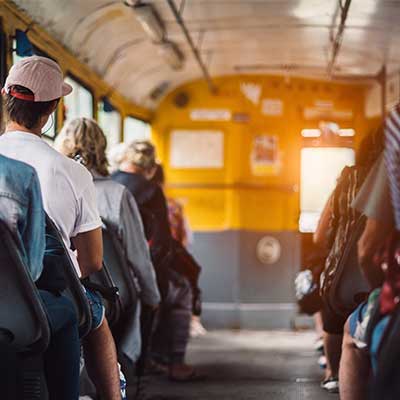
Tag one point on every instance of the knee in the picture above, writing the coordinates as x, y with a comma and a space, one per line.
347, 338
61, 311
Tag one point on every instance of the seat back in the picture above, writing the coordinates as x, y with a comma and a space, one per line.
115, 260
350, 286
75, 290
23, 321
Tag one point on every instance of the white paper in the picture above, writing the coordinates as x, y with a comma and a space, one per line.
196, 149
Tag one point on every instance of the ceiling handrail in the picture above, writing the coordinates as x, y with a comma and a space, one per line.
194, 49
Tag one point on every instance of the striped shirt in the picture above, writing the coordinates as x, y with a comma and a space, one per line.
392, 156
390, 294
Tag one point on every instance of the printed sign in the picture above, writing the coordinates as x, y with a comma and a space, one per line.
264, 156
196, 149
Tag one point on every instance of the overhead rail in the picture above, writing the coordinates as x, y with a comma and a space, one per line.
195, 51
338, 37
152, 24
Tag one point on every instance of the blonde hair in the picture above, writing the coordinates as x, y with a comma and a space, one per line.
116, 156
141, 153
83, 138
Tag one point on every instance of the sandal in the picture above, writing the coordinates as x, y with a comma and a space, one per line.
194, 376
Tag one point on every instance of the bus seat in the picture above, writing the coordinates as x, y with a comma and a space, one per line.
114, 258
23, 321
350, 286
75, 290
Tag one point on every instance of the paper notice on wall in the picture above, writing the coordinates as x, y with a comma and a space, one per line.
264, 156
196, 149
272, 107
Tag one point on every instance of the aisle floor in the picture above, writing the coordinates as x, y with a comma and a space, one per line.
243, 365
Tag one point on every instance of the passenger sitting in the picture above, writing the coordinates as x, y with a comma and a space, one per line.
22, 210
84, 138
342, 218
375, 201
31, 93
137, 167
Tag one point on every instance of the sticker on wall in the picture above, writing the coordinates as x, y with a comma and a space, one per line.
196, 149
251, 91
325, 109
264, 157
268, 250
240, 117
272, 107
205, 114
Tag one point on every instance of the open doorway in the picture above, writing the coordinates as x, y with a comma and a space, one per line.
320, 168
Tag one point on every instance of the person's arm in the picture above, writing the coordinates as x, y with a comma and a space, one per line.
134, 242
370, 242
34, 232
373, 237
89, 248
373, 200
87, 237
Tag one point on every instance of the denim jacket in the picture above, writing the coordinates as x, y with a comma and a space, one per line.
21, 209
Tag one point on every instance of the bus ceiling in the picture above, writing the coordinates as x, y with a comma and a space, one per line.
144, 49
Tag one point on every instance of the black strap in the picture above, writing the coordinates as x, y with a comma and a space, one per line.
109, 293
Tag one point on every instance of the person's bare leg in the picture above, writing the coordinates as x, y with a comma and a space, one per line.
101, 362
354, 370
333, 350
318, 324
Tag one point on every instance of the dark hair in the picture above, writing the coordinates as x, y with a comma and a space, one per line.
159, 176
371, 148
24, 112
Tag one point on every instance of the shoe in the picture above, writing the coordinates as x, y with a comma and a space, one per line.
322, 362
319, 345
155, 368
196, 328
331, 385
184, 373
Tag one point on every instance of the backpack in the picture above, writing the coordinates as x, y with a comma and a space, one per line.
349, 285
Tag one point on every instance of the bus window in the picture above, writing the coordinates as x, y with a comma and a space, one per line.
79, 103
320, 168
110, 121
136, 129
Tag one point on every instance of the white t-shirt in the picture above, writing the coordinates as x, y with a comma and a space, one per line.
69, 195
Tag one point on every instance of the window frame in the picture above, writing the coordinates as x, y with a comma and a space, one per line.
80, 82
121, 115
3, 54
132, 116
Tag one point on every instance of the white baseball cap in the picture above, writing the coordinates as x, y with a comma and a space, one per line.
41, 75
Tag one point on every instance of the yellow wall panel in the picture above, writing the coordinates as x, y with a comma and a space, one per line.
235, 197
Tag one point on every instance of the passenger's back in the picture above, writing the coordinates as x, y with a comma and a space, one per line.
67, 188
